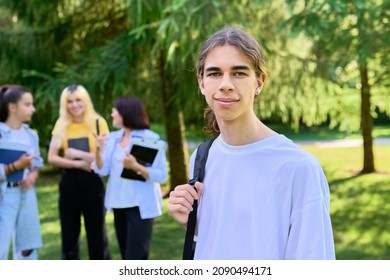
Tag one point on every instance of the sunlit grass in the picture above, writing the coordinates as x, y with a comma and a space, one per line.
360, 207
360, 204
166, 242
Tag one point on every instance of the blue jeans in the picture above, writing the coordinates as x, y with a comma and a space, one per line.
19, 221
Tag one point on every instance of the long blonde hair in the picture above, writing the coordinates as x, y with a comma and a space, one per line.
66, 118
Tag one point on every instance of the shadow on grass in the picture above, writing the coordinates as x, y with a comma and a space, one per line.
344, 180
167, 239
361, 222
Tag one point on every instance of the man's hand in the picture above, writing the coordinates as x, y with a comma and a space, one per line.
181, 200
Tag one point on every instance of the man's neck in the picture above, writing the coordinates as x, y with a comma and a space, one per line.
236, 134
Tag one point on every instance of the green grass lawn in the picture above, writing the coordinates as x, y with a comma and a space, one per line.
360, 207
360, 204
167, 238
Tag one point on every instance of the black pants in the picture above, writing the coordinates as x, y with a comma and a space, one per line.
133, 233
82, 194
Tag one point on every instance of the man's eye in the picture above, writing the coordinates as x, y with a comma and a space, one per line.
213, 74
239, 74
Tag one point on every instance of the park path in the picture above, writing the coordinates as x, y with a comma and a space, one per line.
343, 142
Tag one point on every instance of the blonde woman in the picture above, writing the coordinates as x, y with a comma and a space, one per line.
81, 190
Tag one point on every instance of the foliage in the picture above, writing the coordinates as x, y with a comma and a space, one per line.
350, 44
148, 48
343, 35
106, 49
39, 40
114, 48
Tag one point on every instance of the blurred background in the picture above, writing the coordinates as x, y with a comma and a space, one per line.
329, 79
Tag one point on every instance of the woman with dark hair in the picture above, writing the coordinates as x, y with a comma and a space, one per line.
134, 202
19, 217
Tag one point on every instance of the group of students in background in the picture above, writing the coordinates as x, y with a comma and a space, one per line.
262, 197
81, 189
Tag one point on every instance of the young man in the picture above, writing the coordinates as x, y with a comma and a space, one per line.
262, 197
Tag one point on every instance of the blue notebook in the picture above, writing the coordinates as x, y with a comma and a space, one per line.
10, 152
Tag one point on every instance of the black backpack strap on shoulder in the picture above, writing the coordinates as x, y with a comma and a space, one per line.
199, 172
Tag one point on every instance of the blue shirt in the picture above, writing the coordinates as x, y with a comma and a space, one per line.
124, 193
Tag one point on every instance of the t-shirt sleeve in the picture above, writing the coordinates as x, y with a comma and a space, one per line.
310, 234
54, 132
103, 126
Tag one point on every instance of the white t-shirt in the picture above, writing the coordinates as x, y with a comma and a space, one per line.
264, 200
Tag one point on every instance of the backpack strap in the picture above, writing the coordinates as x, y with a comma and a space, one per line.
199, 173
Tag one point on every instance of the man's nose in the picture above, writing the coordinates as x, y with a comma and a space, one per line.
226, 83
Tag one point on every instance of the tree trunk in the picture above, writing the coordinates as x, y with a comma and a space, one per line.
175, 130
366, 120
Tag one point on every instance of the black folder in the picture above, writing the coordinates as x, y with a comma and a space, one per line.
146, 152
144, 156
79, 143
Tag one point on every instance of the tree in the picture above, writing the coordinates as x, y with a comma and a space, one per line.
148, 48
167, 32
157, 56
349, 35
151, 41
38, 40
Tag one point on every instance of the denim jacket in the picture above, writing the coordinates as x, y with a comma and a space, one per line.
5, 133
37, 162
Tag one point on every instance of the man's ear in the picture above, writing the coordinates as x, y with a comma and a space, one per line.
261, 80
258, 88
201, 84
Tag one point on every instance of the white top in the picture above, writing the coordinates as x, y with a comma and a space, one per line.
264, 200
120, 192
124, 193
